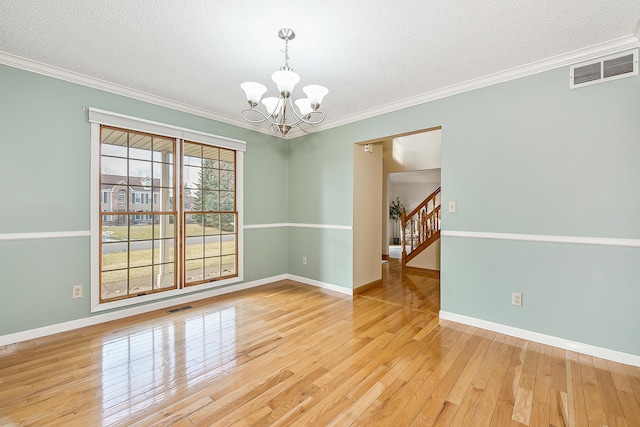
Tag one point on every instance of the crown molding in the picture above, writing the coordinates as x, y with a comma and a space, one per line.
554, 62
565, 59
95, 83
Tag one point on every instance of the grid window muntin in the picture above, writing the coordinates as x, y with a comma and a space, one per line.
137, 252
210, 214
99, 118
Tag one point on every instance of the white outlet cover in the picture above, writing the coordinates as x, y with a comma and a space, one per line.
452, 207
516, 299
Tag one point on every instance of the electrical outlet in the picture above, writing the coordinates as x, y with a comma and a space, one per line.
304, 260
76, 292
516, 299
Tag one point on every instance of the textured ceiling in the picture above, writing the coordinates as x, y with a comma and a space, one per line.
368, 53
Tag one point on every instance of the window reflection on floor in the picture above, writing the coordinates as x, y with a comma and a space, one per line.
210, 345
147, 366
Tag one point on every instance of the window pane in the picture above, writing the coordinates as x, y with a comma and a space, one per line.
114, 136
227, 159
163, 150
189, 200
114, 284
116, 168
212, 224
194, 247
226, 180
137, 153
228, 246
196, 200
163, 251
209, 179
163, 226
211, 268
228, 223
228, 265
140, 229
140, 279
139, 146
140, 253
195, 228
193, 270
114, 228
113, 150
162, 175
212, 246
227, 201
140, 173
114, 256
211, 201
192, 154
193, 161
163, 276
161, 198
191, 177
211, 153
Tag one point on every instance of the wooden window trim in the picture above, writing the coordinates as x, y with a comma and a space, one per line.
142, 126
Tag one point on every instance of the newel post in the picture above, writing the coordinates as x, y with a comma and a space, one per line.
403, 237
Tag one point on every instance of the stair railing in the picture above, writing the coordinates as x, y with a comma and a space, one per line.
421, 226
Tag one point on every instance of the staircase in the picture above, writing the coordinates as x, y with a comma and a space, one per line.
421, 227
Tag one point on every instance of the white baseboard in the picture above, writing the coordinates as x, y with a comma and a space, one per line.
119, 314
591, 350
127, 312
323, 285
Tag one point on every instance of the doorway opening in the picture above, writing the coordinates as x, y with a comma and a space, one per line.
401, 167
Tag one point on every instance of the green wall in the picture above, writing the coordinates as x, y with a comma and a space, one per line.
45, 169
528, 156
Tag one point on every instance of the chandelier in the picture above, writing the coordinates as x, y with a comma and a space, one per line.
277, 108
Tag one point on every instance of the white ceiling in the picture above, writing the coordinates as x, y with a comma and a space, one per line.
373, 55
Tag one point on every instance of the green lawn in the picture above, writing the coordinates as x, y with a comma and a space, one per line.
140, 258
115, 266
141, 263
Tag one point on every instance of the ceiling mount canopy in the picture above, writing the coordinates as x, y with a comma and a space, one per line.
305, 116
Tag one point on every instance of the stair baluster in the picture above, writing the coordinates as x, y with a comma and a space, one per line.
420, 227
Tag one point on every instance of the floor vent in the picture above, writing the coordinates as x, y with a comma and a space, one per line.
175, 310
612, 67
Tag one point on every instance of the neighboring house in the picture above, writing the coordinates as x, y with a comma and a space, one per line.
141, 194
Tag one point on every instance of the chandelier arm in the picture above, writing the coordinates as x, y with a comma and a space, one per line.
295, 114
300, 125
314, 122
298, 118
265, 118
304, 119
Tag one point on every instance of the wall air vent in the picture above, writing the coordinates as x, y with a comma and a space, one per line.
612, 67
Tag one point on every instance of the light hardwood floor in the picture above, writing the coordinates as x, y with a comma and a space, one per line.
292, 355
